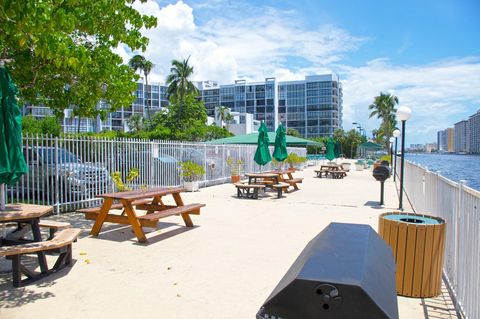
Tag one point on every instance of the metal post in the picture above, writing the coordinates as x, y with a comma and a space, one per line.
391, 154
395, 168
381, 193
402, 161
2, 196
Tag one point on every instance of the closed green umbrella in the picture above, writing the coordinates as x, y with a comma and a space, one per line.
330, 153
337, 149
280, 152
262, 154
12, 163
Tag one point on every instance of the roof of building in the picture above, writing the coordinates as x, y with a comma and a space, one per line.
252, 138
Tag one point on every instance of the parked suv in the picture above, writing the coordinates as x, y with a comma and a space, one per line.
51, 169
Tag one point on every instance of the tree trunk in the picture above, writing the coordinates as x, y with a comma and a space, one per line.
146, 100
78, 124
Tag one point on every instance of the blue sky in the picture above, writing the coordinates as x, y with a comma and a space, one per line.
425, 52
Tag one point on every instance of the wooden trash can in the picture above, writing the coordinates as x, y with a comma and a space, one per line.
418, 245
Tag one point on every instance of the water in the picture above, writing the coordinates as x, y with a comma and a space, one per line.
454, 167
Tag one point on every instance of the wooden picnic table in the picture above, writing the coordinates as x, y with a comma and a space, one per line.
253, 177
332, 167
145, 199
27, 217
286, 176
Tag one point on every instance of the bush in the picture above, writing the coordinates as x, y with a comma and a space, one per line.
191, 171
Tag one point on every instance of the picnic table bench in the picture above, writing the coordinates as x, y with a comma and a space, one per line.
144, 199
248, 190
281, 187
285, 176
61, 242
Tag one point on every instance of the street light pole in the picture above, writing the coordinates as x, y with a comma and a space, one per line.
396, 134
403, 114
392, 139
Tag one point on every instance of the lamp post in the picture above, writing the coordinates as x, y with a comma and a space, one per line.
403, 114
392, 139
396, 134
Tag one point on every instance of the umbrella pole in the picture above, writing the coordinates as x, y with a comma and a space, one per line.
2, 196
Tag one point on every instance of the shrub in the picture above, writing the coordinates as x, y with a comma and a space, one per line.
235, 167
191, 171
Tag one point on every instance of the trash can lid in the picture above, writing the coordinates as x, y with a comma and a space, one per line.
413, 219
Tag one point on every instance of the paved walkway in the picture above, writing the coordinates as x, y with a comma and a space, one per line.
223, 268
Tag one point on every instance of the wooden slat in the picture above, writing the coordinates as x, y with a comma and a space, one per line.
62, 238
419, 257
118, 219
154, 207
409, 259
427, 262
114, 206
190, 208
442, 254
436, 272
401, 247
143, 193
392, 241
53, 224
134, 222
386, 232
240, 185
380, 226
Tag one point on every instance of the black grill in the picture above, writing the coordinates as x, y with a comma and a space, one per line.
381, 173
346, 271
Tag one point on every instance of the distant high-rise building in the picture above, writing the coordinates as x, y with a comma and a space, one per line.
461, 136
442, 140
474, 133
450, 140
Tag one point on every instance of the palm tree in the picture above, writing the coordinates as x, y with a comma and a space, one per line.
223, 114
383, 107
139, 62
178, 82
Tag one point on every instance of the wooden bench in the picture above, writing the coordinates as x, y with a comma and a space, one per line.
293, 182
338, 174
92, 213
54, 226
184, 211
61, 242
321, 172
281, 187
243, 190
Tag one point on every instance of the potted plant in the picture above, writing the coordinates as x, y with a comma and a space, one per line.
359, 165
235, 169
191, 173
346, 166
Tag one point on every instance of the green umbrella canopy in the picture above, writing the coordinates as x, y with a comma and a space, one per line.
330, 153
370, 146
337, 149
262, 154
280, 152
12, 163
252, 138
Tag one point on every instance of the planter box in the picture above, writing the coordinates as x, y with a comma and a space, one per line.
346, 166
191, 186
359, 167
234, 179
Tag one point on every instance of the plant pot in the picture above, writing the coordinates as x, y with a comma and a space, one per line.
235, 178
359, 167
191, 186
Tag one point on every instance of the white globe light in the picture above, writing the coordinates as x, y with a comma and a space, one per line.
404, 113
392, 139
396, 133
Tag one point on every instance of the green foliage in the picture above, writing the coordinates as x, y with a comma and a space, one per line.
294, 159
315, 149
180, 86
60, 53
139, 62
385, 158
383, 107
135, 123
350, 141
293, 132
214, 132
48, 125
191, 171
119, 184
235, 166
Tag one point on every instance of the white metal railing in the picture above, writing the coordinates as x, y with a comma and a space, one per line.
67, 172
459, 205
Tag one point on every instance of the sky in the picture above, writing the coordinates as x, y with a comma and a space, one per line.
425, 52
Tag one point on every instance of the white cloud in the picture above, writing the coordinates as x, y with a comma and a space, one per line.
236, 41
439, 94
